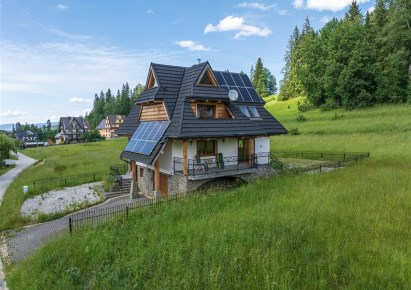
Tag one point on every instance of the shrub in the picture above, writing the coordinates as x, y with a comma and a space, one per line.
305, 107
329, 105
301, 118
6, 145
108, 183
294, 131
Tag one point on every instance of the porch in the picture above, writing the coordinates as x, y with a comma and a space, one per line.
219, 166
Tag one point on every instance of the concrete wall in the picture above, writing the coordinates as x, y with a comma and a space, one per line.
166, 159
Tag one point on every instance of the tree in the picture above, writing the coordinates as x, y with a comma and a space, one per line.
6, 145
48, 125
271, 82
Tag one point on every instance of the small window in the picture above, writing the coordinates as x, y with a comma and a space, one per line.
206, 148
245, 111
206, 111
254, 112
141, 172
207, 79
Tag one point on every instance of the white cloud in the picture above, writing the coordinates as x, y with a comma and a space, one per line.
66, 35
13, 114
61, 6
282, 12
371, 9
233, 23
191, 45
325, 19
298, 4
79, 100
255, 5
325, 4
150, 12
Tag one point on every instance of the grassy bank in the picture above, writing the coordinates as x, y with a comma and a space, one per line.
56, 161
343, 229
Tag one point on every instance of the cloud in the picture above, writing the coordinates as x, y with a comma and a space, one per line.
298, 4
79, 100
61, 6
263, 7
321, 5
151, 12
66, 35
255, 5
13, 114
371, 9
233, 23
325, 19
191, 45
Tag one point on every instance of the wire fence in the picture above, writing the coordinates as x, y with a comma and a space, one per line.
69, 180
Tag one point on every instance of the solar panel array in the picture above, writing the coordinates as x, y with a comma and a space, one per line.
146, 137
239, 82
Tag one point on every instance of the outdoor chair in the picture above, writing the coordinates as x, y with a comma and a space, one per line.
200, 164
220, 161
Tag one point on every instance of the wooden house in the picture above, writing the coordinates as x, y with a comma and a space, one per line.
108, 126
71, 129
193, 125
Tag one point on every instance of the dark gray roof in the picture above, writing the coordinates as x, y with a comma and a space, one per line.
176, 86
66, 121
102, 125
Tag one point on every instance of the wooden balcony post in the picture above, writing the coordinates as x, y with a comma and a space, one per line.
251, 150
185, 159
157, 176
133, 170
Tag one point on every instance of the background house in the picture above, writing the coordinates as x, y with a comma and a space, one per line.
194, 125
108, 126
26, 136
71, 129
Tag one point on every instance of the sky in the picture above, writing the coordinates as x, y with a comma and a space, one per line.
55, 55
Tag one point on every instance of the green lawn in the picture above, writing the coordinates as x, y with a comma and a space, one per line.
56, 161
347, 229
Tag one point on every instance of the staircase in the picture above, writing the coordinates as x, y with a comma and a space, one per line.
120, 188
275, 163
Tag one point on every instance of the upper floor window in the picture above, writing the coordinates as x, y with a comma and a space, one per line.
207, 79
206, 111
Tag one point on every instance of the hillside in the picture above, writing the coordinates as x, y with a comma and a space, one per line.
344, 229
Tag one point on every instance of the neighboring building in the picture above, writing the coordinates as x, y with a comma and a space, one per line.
71, 129
194, 125
108, 126
26, 136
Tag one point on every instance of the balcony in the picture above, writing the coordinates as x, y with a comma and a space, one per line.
213, 167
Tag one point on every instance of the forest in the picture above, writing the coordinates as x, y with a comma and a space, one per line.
355, 62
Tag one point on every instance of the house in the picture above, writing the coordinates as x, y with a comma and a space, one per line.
26, 136
71, 129
194, 125
108, 126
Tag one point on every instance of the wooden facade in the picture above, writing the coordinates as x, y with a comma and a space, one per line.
153, 112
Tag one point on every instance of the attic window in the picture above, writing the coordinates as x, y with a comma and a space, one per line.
245, 111
207, 79
250, 111
254, 112
151, 82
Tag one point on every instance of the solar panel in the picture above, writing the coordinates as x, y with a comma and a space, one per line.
239, 82
146, 137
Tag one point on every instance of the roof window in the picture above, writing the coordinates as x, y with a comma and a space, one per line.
250, 111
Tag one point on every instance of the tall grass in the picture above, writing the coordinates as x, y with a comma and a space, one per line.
56, 161
346, 229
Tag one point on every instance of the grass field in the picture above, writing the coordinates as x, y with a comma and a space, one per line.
56, 161
347, 229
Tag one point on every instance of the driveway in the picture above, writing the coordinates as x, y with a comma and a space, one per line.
5, 180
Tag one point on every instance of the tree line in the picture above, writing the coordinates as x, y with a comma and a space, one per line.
45, 132
355, 62
109, 104
263, 81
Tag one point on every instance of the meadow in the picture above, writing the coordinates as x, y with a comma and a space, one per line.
346, 229
55, 162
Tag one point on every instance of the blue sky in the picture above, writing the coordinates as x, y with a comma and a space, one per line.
55, 55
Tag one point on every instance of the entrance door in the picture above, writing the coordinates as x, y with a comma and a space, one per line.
164, 185
243, 150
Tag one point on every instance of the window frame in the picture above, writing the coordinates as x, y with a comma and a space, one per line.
199, 112
207, 153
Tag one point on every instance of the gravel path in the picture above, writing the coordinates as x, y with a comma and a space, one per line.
5, 180
55, 201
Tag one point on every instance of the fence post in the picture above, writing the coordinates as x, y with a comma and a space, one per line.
70, 226
344, 156
65, 181
94, 177
320, 168
34, 184
127, 211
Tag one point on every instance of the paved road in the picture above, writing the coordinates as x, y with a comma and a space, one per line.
22, 163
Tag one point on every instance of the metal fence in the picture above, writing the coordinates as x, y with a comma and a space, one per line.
337, 156
70, 180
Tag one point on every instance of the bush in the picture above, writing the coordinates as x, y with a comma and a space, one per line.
108, 183
294, 131
305, 107
329, 105
6, 145
301, 118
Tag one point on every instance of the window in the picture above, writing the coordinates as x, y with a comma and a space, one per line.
206, 148
245, 111
207, 79
254, 112
206, 111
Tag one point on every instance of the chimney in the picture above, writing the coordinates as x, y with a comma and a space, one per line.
199, 60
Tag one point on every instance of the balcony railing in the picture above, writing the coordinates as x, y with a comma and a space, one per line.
216, 166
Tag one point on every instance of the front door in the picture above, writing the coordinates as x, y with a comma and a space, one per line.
243, 150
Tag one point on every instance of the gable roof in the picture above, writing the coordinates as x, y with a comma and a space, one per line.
176, 87
102, 125
65, 123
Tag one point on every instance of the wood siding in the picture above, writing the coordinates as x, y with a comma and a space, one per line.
222, 112
155, 112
